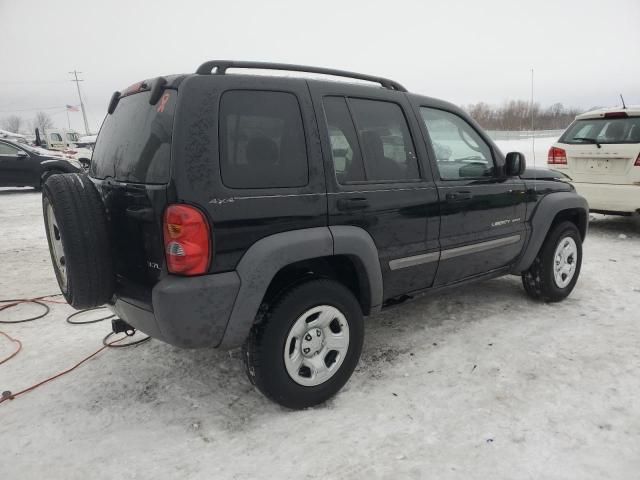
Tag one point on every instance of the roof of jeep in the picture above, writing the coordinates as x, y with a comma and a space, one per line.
312, 75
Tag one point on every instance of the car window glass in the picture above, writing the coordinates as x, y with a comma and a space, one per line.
262, 141
385, 141
56, 137
345, 151
603, 130
614, 131
134, 144
6, 149
70, 137
460, 151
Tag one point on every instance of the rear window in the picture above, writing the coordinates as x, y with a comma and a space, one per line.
603, 130
134, 144
262, 142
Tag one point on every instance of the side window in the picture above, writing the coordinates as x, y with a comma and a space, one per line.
347, 160
262, 142
460, 151
56, 137
387, 147
6, 149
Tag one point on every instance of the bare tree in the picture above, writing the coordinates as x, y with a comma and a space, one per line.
12, 123
42, 120
516, 115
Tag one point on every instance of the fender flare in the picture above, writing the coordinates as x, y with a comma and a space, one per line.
265, 258
542, 218
358, 244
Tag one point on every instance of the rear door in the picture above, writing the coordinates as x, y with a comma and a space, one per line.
603, 150
482, 226
376, 179
16, 167
56, 142
9, 165
131, 167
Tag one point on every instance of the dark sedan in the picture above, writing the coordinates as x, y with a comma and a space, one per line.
25, 166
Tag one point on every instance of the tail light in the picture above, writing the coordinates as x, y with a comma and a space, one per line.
187, 240
637, 164
557, 156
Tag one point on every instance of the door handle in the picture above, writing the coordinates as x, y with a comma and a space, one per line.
458, 196
352, 203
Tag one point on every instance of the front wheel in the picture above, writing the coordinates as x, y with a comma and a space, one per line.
556, 268
307, 345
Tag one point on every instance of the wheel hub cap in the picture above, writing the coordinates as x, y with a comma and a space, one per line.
565, 261
312, 342
57, 250
316, 345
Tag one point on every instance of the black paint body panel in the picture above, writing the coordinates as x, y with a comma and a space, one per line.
412, 236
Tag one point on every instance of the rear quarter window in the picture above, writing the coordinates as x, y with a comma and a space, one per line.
134, 143
262, 141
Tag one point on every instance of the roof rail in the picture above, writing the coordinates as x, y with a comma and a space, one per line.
221, 67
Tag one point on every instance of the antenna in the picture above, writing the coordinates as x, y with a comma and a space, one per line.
624, 107
533, 133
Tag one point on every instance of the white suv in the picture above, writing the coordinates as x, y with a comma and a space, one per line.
600, 152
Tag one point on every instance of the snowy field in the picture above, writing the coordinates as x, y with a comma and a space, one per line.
477, 383
535, 151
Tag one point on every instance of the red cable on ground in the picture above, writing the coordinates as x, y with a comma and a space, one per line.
14, 340
13, 302
17, 301
7, 395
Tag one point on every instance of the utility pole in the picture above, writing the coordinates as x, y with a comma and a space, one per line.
84, 113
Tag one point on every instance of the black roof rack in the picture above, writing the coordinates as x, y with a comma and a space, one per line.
221, 67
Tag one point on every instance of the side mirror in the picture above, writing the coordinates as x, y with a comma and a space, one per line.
515, 164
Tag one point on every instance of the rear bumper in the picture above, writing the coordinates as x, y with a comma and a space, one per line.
606, 197
188, 312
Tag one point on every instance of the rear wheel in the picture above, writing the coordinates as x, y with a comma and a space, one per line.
76, 227
555, 270
307, 345
45, 176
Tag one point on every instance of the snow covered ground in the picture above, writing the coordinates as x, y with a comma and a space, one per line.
535, 151
477, 383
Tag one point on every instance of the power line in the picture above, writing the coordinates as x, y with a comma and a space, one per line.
9, 82
31, 109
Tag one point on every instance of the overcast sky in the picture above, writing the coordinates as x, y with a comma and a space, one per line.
583, 52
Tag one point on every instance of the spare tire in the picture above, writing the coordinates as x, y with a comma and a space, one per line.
76, 226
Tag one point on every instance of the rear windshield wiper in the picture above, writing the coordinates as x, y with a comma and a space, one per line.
587, 139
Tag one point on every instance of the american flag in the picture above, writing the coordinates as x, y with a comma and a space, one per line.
72, 108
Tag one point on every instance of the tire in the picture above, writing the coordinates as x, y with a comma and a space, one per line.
540, 281
273, 341
44, 178
76, 226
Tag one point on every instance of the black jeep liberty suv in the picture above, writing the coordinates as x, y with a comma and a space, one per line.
274, 213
